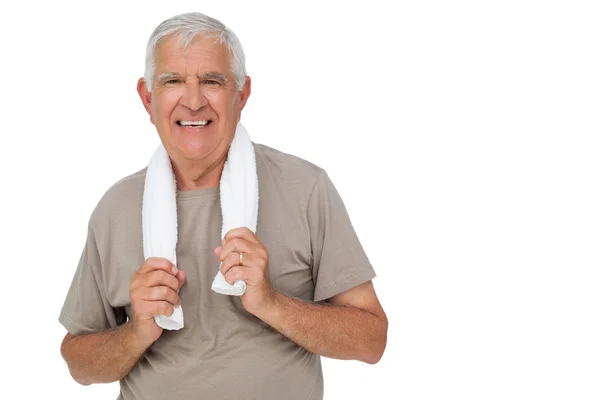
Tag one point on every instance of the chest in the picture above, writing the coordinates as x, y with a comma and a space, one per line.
282, 230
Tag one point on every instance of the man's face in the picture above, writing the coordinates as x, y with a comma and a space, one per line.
194, 103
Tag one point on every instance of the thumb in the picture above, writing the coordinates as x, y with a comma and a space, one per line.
218, 251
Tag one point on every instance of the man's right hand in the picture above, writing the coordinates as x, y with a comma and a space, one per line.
154, 290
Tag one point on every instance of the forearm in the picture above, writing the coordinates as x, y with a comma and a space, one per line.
104, 356
332, 331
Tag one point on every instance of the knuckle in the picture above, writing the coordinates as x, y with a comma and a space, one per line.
135, 279
159, 277
153, 278
157, 262
169, 280
163, 265
173, 297
163, 291
134, 291
173, 283
151, 261
169, 294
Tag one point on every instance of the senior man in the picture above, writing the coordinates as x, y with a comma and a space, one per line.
309, 284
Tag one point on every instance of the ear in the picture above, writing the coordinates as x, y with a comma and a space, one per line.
145, 96
245, 93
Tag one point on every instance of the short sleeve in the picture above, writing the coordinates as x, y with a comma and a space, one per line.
86, 308
339, 261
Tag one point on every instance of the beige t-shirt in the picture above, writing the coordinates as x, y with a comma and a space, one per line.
223, 352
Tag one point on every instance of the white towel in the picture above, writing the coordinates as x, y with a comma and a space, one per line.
239, 208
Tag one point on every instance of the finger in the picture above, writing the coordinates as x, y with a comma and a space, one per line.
241, 233
237, 245
160, 293
161, 308
233, 260
180, 276
161, 278
218, 252
156, 263
236, 274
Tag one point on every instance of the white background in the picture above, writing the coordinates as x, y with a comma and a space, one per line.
463, 137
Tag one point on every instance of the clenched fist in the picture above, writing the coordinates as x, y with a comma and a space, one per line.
254, 269
154, 290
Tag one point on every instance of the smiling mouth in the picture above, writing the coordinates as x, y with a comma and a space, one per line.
194, 124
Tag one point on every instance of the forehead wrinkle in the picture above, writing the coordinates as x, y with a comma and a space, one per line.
185, 52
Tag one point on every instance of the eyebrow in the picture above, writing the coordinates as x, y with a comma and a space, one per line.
214, 75
165, 76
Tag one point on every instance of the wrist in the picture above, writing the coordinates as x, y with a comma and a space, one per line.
134, 339
271, 310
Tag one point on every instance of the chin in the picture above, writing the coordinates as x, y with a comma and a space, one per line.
197, 151
194, 155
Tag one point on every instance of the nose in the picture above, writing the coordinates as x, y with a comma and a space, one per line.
193, 97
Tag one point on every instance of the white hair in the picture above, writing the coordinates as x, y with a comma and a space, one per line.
187, 27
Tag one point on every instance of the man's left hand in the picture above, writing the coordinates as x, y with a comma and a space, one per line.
254, 269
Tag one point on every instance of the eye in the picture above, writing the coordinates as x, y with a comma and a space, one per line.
211, 82
172, 81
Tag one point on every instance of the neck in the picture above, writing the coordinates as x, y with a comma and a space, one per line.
191, 176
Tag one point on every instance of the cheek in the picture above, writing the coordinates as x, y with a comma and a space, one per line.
224, 104
165, 103
213, 99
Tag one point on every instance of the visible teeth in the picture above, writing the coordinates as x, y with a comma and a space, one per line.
193, 123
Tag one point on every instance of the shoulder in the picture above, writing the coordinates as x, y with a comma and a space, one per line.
124, 197
285, 168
